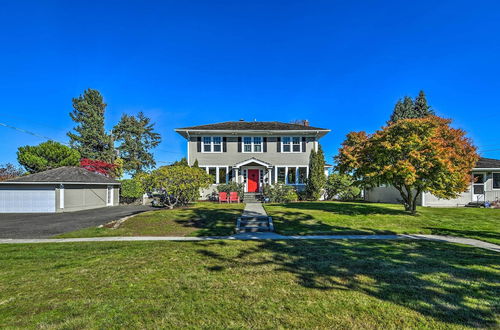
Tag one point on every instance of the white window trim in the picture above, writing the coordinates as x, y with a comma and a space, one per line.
212, 144
252, 145
110, 196
296, 183
291, 144
217, 179
493, 181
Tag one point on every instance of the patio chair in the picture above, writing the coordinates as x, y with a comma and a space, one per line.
223, 197
233, 197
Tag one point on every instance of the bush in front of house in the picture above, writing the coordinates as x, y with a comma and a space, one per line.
341, 186
131, 191
180, 185
231, 187
280, 193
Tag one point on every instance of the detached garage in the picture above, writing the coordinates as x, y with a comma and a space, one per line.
63, 189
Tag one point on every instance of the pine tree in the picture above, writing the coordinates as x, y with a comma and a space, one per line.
89, 136
408, 109
136, 138
196, 164
317, 179
422, 109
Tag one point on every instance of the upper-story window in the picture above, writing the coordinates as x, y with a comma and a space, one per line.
212, 144
252, 144
291, 144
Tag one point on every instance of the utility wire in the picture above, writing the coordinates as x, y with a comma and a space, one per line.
30, 133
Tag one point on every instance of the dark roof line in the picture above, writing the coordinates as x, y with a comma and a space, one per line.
65, 174
254, 125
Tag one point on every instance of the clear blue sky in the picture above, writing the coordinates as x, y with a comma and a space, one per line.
340, 64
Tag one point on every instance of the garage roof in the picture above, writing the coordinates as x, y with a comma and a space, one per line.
66, 174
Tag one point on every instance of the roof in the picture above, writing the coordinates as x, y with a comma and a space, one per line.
254, 126
488, 163
66, 174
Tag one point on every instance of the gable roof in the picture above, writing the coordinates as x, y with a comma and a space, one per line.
66, 174
254, 126
488, 163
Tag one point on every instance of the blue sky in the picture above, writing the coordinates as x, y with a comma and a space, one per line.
340, 64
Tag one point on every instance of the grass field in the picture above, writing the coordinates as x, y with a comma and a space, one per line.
200, 219
264, 284
369, 218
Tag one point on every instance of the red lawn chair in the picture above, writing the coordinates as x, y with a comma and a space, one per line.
223, 197
233, 197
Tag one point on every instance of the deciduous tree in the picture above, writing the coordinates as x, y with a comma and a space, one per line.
89, 136
413, 155
9, 171
46, 156
98, 166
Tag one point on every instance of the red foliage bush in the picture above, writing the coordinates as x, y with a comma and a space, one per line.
97, 166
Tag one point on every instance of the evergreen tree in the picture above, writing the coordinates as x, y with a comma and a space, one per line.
182, 162
409, 109
46, 156
195, 164
317, 179
136, 138
89, 136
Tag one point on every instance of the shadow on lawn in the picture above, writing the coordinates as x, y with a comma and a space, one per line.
210, 221
465, 233
407, 274
345, 208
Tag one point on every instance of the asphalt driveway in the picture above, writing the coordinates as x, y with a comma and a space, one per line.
44, 225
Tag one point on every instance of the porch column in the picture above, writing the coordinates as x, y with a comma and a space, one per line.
236, 176
269, 176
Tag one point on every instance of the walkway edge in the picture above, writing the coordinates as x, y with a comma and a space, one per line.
263, 236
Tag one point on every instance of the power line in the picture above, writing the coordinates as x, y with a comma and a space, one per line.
30, 133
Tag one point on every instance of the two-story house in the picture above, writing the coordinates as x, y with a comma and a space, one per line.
253, 153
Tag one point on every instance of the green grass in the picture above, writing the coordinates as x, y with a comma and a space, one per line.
368, 218
252, 284
200, 219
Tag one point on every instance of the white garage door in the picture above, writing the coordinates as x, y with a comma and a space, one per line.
27, 200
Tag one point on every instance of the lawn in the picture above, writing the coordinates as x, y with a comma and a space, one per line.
200, 219
369, 218
249, 284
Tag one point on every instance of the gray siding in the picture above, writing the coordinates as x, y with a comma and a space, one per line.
232, 156
84, 197
386, 194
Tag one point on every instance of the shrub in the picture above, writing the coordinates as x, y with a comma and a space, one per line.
232, 186
180, 185
341, 186
280, 193
131, 190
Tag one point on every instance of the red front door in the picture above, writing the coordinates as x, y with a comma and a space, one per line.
253, 180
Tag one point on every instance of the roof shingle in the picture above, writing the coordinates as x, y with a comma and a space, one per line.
65, 174
488, 163
254, 126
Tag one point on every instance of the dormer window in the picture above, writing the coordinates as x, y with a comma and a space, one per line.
212, 144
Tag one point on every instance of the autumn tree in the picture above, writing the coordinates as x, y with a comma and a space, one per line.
46, 156
89, 136
98, 166
413, 155
409, 108
136, 138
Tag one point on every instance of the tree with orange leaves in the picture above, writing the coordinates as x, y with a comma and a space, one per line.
413, 155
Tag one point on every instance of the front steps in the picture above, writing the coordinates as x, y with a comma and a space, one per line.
252, 197
259, 224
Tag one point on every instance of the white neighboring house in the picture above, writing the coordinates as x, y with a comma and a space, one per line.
484, 187
253, 153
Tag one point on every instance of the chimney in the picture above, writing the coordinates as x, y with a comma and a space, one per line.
305, 122
242, 119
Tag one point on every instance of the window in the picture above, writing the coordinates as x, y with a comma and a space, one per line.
212, 144
252, 144
302, 175
291, 144
217, 142
257, 144
222, 175
291, 175
296, 144
281, 174
247, 144
207, 144
213, 172
496, 180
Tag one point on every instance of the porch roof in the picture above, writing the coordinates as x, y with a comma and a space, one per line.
253, 160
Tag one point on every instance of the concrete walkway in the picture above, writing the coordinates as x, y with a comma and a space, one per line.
254, 210
265, 236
